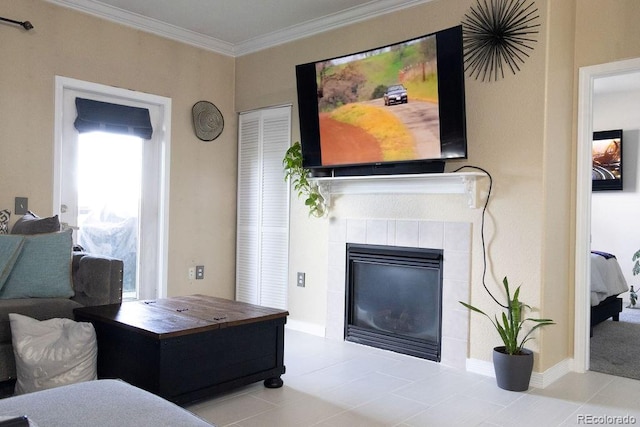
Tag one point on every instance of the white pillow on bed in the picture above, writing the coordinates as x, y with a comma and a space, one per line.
51, 353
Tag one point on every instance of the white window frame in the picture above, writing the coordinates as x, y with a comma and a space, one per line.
155, 263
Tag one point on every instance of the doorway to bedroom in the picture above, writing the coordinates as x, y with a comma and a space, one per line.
613, 344
613, 91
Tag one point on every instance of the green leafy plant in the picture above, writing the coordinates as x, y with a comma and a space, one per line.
636, 266
510, 324
299, 175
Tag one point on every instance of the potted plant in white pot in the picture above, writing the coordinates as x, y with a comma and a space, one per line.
299, 175
512, 362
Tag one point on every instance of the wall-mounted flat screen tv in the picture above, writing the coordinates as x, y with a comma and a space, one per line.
606, 173
393, 109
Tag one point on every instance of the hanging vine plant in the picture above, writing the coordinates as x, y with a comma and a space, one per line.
498, 35
299, 176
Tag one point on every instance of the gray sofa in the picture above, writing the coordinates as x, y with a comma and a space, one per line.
97, 280
103, 403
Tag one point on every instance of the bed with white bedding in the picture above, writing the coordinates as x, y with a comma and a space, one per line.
607, 282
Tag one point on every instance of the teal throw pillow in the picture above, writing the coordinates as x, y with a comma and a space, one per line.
10, 248
43, 268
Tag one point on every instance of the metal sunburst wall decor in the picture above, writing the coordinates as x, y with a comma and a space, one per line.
498, 35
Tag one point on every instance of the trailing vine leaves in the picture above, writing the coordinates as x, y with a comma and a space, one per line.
300, 181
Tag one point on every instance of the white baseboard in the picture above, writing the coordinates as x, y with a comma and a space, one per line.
306, 327
557, 371
481, 367
538, 379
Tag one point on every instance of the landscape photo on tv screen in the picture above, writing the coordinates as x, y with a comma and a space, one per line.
607, 160
380, 105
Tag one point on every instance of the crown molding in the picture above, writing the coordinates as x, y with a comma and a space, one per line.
326, 23
148, 25
306, 29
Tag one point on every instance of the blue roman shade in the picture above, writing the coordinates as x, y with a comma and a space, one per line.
114, 118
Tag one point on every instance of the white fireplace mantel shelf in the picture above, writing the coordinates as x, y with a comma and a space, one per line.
433, 183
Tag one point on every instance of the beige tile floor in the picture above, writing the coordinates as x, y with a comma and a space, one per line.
337, 384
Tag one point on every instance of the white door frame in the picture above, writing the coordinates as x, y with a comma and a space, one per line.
63, 84
582, 321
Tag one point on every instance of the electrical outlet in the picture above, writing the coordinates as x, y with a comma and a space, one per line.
192, 273
199, 272
301, 279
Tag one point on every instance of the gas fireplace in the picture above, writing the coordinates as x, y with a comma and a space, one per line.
394, 298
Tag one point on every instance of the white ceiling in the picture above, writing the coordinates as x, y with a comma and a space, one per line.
236, 27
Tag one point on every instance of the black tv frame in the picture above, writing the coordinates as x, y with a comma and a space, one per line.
451, 103
607, 184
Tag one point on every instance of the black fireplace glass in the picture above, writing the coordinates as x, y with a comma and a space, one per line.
397, 299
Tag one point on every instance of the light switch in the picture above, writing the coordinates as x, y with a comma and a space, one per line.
22, 205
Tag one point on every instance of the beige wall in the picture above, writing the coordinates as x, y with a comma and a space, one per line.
203, 175
606, 37
557, 240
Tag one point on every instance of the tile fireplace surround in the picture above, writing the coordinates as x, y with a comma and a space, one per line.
454, 238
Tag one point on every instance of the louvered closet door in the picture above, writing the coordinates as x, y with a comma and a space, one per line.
263, 208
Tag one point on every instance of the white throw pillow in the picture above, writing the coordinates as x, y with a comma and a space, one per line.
53, 352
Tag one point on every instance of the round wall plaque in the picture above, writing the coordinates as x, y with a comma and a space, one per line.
207, 120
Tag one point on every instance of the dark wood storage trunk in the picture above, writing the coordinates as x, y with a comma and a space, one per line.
203, 345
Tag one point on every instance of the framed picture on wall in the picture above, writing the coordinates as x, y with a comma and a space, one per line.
606, 173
